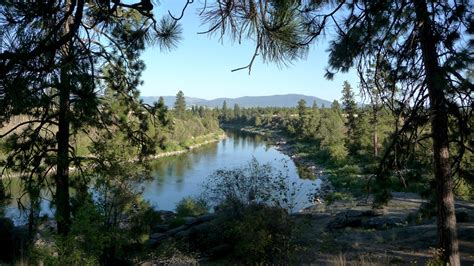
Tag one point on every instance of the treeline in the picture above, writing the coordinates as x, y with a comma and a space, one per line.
354, 140
186, 127
337, 131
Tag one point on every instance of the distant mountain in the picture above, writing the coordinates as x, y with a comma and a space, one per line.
287, 100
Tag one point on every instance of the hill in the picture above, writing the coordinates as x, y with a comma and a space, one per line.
286, 100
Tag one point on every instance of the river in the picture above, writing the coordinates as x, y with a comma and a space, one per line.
184, 175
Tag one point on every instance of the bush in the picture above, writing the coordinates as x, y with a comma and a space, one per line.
335, 196
191, 207
260, 233
254, 233
256, 183
252, 223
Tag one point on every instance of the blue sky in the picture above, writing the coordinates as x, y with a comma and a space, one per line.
201, 67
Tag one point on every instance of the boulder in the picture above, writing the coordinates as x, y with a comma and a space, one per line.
160, 228
346, 219
166, 216
383, 222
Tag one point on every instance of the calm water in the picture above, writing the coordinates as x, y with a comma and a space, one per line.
184, 175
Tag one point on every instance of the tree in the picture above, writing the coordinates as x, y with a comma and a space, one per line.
350, 110
225, 112
331, 132
418, 45
56, 61
237, 112
314, 107
301, 108
180, 104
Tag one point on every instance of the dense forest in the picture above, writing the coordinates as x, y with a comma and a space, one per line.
72, 125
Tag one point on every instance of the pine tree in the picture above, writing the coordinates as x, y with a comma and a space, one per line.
350, 109
180, 105
224, 112
53, 72
418, 45
331, 133
237, 112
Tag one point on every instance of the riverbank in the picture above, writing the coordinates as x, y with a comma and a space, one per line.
198, 142
307, 169
348, 231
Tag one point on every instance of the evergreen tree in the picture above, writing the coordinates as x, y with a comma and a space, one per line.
315, 106
336, 107
237, 112
418, 45
224, 112
180, 104
351, 120
54, 70
301, 108
350, 109
331, 131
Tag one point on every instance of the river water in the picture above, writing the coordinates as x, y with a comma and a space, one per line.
184, 175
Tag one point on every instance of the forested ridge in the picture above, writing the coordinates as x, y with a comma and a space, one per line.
72, 123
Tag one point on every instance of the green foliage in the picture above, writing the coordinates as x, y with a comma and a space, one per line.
339, 196
251, 225
180, 105
256, 183
332, 134
464, 190
191, 207
259, 233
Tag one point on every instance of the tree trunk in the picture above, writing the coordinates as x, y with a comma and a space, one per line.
375, 121
376, 143
63, 210
436, 83
62, 176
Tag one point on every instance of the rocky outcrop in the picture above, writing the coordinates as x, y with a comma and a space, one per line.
162, 232
370, 219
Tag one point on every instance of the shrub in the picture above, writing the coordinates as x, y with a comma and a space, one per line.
253, 224
256, 183
191, 207
248, 233
261, 234
335, 196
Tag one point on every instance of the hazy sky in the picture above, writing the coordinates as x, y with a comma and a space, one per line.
201, 67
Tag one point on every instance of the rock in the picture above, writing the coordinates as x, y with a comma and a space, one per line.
160, 228
346, 219
383, 222
205, 218
177, 229
462, 216
189, 220
374, 212
166, 216
354, 213
155, 239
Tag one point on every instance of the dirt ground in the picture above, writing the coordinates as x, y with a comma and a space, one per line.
404, 243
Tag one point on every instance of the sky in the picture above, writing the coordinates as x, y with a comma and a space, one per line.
201, 66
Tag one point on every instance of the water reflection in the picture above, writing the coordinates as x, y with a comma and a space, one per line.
188, 172
183, 175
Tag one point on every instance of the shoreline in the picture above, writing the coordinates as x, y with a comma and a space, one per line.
218, 138
284, 145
